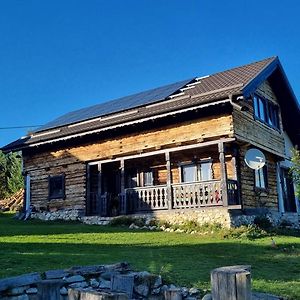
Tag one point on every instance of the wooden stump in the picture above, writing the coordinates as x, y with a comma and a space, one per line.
231, 283
49, 289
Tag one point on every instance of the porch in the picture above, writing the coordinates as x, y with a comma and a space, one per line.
185, 177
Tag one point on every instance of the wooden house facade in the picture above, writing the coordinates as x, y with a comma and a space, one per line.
180, 147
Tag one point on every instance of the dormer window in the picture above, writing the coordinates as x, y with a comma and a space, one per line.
266, 112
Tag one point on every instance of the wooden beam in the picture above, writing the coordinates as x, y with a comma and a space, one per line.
169, 180
223, 173
174, 149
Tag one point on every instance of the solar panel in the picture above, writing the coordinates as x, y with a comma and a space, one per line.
116, 105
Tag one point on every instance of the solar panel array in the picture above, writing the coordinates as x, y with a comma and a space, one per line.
116, 105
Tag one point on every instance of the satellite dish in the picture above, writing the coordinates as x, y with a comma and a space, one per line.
255, 159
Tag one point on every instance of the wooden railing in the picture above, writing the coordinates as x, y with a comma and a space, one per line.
184, 195
197, 194
146, 198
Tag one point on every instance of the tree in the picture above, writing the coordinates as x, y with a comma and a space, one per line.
296, 169
11, 179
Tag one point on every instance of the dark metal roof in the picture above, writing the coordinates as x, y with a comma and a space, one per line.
116, 105
149, 104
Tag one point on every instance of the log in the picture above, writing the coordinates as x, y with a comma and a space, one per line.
49, 289
231, 283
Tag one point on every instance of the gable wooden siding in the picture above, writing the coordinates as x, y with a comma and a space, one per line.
252, 131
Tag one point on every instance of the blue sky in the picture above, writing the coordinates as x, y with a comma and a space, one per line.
59, 56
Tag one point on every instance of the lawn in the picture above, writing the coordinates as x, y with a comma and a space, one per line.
181, 258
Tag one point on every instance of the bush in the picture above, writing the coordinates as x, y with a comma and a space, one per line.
263, 222
127, 221
250, 232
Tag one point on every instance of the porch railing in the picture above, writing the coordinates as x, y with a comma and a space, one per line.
146, 198
197, 194
184, 195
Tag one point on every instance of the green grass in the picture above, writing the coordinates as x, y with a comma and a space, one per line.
181, 258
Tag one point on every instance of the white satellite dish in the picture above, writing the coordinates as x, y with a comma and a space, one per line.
255, 159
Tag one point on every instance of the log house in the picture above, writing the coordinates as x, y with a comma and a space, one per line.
179, 147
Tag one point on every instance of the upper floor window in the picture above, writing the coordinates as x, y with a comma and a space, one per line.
197, 171
266, 111
56, 185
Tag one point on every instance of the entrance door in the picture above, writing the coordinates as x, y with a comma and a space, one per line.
288, 193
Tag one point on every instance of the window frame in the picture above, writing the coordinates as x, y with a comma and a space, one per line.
266, 112
62, 194
262, 172
197, 165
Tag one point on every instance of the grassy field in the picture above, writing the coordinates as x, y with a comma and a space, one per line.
181, 258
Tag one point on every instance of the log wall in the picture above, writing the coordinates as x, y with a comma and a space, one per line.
72, 161
247, 129
251, 196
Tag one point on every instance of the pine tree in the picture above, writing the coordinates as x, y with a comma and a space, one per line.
11, 179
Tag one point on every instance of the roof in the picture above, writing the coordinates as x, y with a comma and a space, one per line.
153, 103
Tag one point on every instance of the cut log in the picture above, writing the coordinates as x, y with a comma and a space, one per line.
231, 283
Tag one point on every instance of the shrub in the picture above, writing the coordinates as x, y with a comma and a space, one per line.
263, 222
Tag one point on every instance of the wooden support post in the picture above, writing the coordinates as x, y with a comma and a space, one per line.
169, 180
223, 173
99, 189
231, 283
123, 204
88, 186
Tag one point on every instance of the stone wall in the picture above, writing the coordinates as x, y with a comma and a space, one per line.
215, 215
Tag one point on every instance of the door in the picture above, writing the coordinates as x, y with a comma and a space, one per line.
288, 193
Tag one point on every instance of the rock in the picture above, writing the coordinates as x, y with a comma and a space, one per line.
264, 296
87, 270
142, 289
63, 291
104, 284
94, 283
158, 282
184, 292
20, 297
78, 285
32, 290
107, 275
18, 281
17, 290
164, 288
156, 291
55, 274
172, 286
207, 297
75, 278
194, 291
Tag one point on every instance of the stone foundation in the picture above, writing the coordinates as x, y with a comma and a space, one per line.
214, 215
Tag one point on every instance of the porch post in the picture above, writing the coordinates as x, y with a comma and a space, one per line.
169, 188
123, 196
224, 186
99, 191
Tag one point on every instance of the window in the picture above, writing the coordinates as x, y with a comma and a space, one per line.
197, 172
148, 178
261, 178
205, 171
266, 111
56, 186
189, 173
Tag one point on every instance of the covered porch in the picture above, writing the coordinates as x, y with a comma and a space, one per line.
183, 177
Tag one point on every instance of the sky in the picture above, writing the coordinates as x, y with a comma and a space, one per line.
59, 56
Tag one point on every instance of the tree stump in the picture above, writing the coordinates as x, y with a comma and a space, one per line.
49, 289
231, 283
